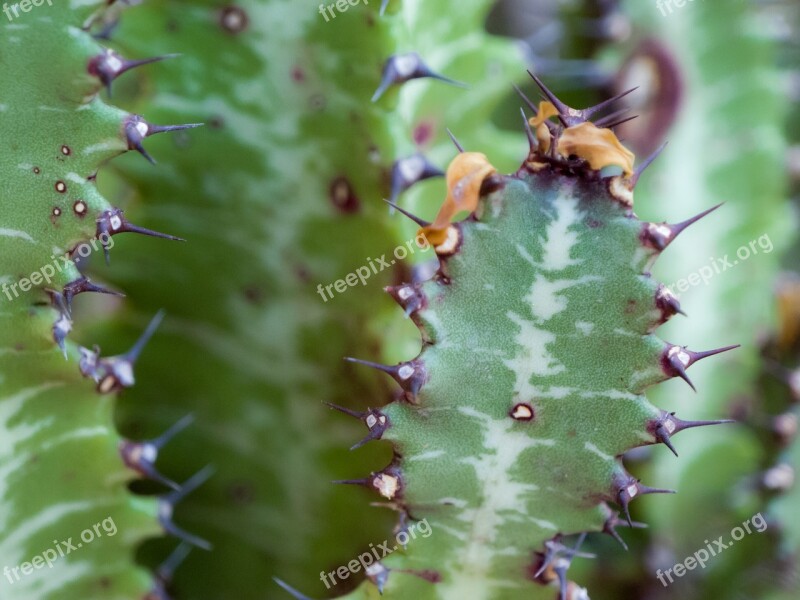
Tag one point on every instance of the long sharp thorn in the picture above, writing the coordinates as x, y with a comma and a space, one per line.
416, 219
140, 149
620, 122
662, 435
679, 227
374, 434
561, 572
365, 481
562, 108
647, 162
143, 231
695, 356
154, 129
527, 101
458, 146
137, 348
374, 365
170, 433
291, 590
167, 505
173, 561
602, 122
531, 138
346, 411
384, 4
588, 112
680, 371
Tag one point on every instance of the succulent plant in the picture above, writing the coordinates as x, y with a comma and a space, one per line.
504, 443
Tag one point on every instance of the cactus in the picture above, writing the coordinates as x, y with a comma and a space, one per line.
537, 328
543, 309
683, 59
65, 503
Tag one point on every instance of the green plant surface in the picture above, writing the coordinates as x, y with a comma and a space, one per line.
61, 470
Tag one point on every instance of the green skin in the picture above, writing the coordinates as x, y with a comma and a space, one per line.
278, 456
272, 509
722, 109
61, 468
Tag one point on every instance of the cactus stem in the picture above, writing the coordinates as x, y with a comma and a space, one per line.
167, 503
401, 68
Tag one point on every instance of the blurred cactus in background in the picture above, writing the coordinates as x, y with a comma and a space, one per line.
327, 163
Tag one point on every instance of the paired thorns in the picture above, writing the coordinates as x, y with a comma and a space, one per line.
167, 503
660, 235
142, 456
113, 222
410, 170
109, 65
136, 129
375, 420
116, 373
676, 359
630, 488
401, 68
166, 572
409, 375
569, 116
668, 425
558, 557
613, 521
